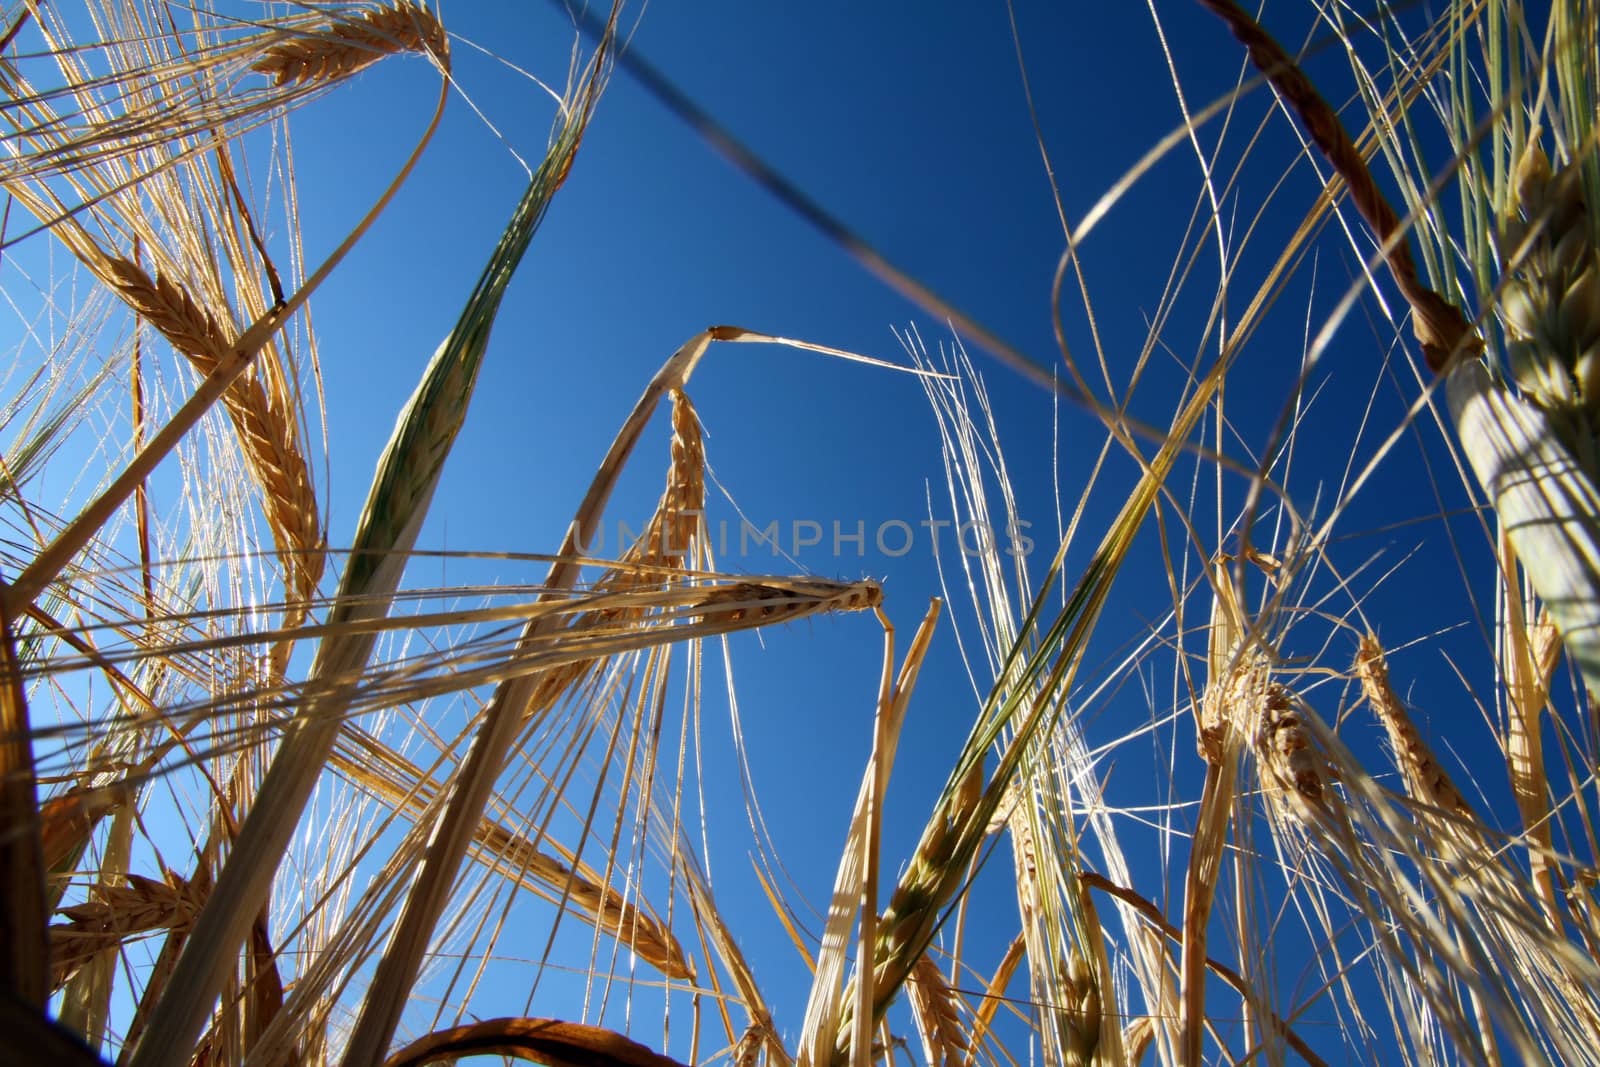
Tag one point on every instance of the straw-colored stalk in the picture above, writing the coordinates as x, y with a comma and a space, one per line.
1244, 707
840, 1016
1529, 650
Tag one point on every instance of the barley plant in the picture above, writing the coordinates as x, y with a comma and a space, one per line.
269, 799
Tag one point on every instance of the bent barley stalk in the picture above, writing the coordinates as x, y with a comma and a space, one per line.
549, 1041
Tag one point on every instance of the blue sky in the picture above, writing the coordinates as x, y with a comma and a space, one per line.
908, 121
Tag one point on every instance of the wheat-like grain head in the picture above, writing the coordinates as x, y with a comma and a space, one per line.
1426, 780
262, 413
345, 47
115, 914
1288, 755
171, 310
933, 1008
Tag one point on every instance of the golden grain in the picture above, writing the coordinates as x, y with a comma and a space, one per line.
344, 48
1426, 780
169, 308
264, 421
115, 914
933, 1008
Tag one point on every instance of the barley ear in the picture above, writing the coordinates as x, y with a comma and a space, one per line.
115, 914
1425, 778
933, 1009
262, 419
166, 306
343, 48
1537, 454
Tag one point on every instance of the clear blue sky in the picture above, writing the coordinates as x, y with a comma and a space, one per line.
908, 121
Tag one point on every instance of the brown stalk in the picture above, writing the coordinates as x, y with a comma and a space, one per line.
546, 1041
1439, 325
264, 987
24, 957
